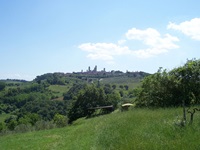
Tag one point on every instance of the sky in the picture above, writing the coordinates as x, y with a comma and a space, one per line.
46, 36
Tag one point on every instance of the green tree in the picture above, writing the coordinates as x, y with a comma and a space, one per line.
126, 87
73, 91
108, 89
60, 120
24, 120
188, 81
2, 126
2, 85
30, 118
12, 124
88, 98
173, 88
113, 99
121, 86
114, 86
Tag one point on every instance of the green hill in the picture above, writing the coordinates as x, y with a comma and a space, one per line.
27, 102
134, 129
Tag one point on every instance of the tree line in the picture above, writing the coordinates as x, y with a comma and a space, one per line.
171, 88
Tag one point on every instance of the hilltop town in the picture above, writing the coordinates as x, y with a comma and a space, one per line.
105, 73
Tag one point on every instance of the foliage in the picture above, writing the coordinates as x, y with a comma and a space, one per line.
73, 91
2, 85
29, 118
113, 99
11, 122
108, 89
44, 125
30, 104
44, 108
51, 78
2, 126
60, 120
89, 98
165, 89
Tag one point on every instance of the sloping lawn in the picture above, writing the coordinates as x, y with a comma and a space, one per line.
136, 129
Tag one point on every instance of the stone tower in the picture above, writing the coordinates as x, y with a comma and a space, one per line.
95, 69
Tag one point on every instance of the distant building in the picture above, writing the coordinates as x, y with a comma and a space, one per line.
95, 69
89, 69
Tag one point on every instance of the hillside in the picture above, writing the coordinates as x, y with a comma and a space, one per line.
135, 129
39, 109
32, 102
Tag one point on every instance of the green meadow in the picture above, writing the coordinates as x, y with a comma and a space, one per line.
125, 80
58, 90
136, 129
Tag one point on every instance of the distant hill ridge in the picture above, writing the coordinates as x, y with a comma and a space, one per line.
88, 73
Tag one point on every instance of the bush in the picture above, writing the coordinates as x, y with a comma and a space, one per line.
60, 120
2, 126
23, 128
44, 125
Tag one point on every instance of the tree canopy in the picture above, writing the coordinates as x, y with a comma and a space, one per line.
171, 88
2, 85
90, 97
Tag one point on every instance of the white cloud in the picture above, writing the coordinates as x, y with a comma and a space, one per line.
190, 28
149, 52
136, 34
121, 42
151, 38
104, 51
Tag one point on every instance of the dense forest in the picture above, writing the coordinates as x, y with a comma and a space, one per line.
57, 99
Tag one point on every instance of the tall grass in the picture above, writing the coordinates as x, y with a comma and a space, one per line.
135, 129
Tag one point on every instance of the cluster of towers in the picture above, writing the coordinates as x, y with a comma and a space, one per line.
95, 70
89, 71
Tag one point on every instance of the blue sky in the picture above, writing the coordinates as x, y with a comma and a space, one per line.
44, 36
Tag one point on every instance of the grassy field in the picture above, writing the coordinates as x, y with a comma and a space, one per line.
131, 82
136, 129
58, 90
